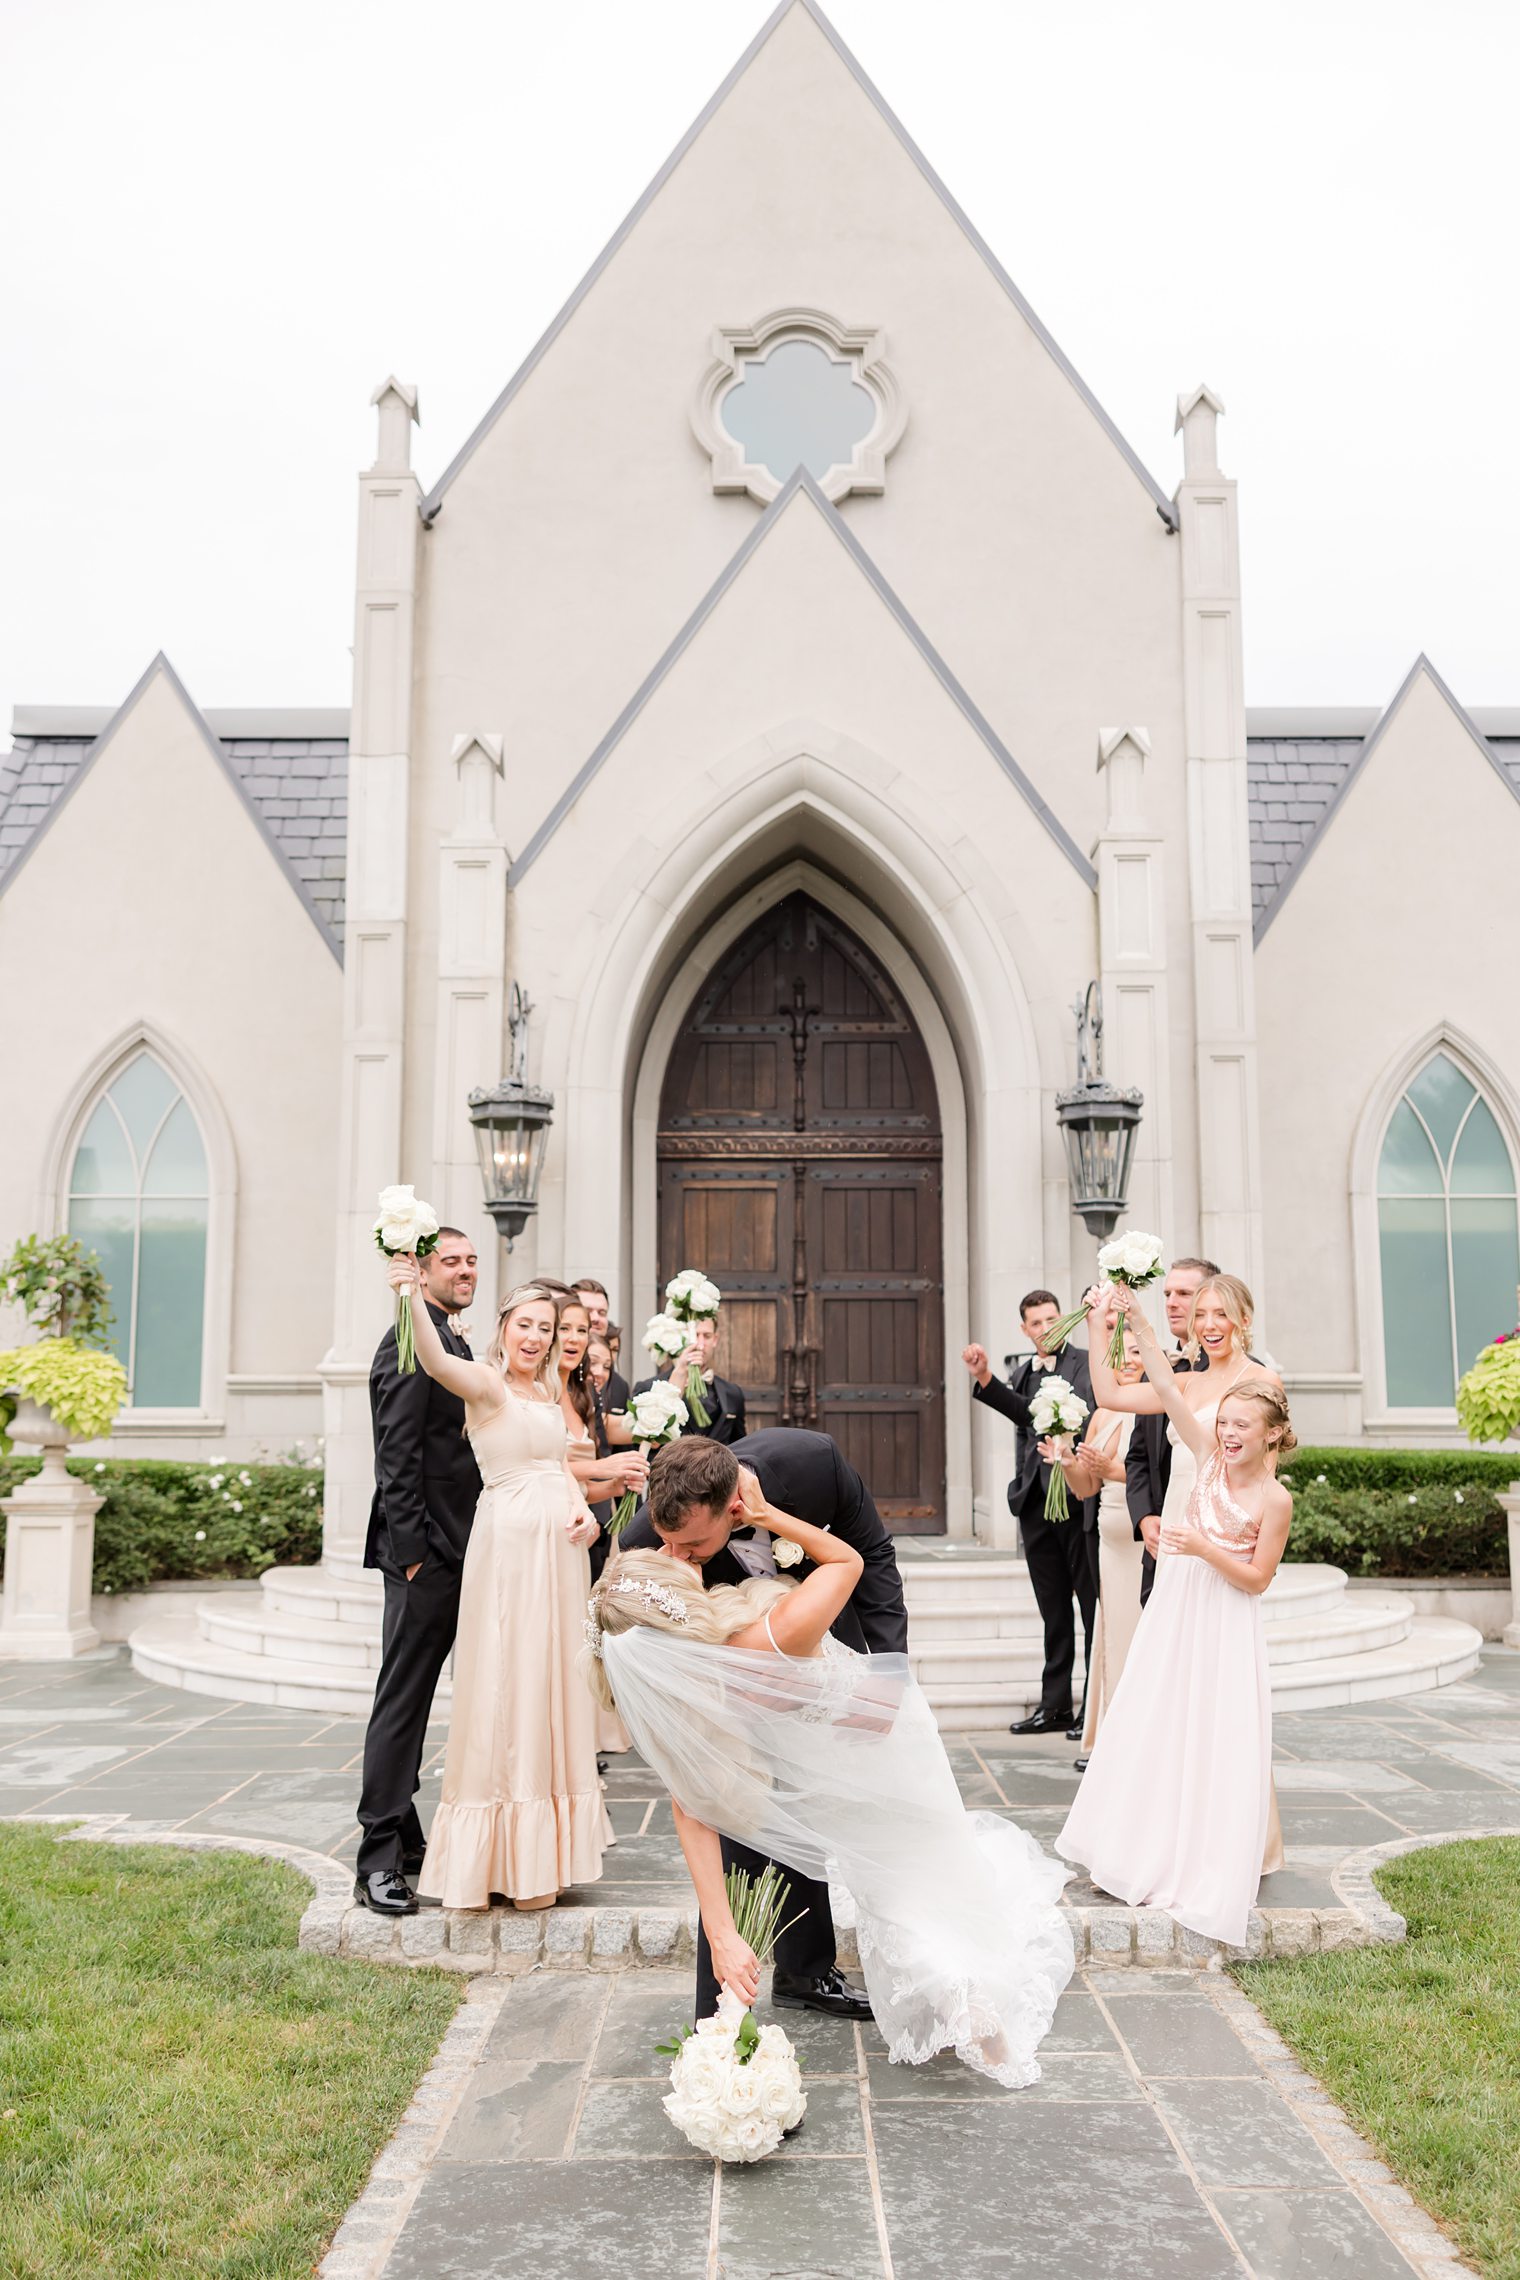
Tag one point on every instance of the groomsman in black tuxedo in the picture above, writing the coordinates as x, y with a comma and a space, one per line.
1059, 1553
696, 1513
614, 1394
427, 1485
1148, 1459
722, 1399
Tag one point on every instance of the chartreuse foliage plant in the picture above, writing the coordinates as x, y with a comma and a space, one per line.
82, 1388
1488, 1398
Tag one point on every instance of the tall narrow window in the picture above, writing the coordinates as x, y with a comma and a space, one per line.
1447, 1235
138, 1194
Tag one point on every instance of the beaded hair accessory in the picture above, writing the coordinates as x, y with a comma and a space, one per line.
656, 1595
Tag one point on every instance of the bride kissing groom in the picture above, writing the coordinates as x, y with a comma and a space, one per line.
782, 1740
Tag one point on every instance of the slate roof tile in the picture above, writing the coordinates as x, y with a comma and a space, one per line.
298, 785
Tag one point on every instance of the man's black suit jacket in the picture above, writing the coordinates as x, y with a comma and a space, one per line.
427, 1482
1031, 1475
806, 1475
724, 1403
614, 1393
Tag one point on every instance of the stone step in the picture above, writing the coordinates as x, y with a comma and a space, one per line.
330, 1597
273, 1633
1354, 1627
1435, 1653
175, 1655
1302, 1587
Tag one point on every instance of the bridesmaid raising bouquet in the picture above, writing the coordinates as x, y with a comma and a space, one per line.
1174, 1808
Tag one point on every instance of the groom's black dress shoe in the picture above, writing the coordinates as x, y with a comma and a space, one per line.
1043, 1722
386, 1891
830, 1993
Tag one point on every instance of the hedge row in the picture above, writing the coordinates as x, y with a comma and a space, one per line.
1408, 1512
164, 1523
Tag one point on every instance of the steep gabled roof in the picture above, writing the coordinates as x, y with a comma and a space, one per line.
434, 500
41, 775
1314, 777
802, 482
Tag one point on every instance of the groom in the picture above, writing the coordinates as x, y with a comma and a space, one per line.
426, 1488
696, 1513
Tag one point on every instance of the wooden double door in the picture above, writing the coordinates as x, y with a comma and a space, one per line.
800, 1167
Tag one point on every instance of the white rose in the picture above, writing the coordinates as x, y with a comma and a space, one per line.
397, 1202
740, 2095
665, 1336
774, 2043
778, 2097
786, 1553
754, 2139
702, 2076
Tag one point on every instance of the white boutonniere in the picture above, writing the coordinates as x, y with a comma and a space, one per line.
787, 1554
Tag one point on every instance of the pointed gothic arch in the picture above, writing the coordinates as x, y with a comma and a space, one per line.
1434, 1176
142, 1144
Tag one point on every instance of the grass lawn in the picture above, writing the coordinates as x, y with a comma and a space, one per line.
1421, 2043
181, 2090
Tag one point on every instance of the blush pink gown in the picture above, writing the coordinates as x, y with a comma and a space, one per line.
1175, 1808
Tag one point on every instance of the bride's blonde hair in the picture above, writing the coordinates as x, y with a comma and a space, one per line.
692, 1609
547, 1373
1239, 1308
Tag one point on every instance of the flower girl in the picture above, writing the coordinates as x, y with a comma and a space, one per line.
1174, 1808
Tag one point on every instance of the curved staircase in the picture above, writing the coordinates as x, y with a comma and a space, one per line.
309, 1639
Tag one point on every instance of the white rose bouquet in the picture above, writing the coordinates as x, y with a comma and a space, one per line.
1057, 1409
690, 1297
1131, 1262
736, 2087
656, 1416
405, 1226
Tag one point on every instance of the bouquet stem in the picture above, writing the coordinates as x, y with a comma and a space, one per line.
694, 1402
1116, 1342
1057, 1502
622, 1512
1058, 1333
406, 1336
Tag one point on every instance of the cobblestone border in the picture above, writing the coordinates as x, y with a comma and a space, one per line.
502, 1939
1415, 2234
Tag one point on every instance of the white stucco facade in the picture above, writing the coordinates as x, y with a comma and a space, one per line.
984, 705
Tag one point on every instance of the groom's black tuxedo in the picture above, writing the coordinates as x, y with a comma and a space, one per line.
805, 1474
427, 1485
1060, 1554
723, 1401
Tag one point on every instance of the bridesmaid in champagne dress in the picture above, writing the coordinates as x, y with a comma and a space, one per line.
523, 1813
1176, 1806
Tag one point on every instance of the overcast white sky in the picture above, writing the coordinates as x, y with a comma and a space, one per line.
225, 223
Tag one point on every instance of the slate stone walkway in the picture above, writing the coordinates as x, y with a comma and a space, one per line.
1171, 2137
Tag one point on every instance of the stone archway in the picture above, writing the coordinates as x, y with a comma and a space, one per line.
799, 1152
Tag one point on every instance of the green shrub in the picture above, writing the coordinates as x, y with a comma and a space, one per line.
1405, 1512
163, 1523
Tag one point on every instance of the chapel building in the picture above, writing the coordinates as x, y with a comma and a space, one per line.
799, 690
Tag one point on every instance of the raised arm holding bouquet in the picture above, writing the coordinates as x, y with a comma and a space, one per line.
405, 1229
655, 1416
689, 1298
1131, 1262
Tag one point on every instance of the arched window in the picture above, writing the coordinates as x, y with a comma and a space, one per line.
139, 1196
1446, 1234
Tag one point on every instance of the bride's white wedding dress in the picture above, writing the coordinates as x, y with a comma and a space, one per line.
834, 1765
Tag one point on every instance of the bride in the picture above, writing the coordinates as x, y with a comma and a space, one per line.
769, 1731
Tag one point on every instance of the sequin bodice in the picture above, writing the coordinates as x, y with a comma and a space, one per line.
1213, 1510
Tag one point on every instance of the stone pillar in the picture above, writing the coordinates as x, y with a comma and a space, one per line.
1132, 968
472, 966
1219, 864
374, 969
49, 1550
1511, 1504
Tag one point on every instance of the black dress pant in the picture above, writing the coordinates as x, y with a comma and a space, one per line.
420, 1620
1147, 1575
805, 1951
1061, 1568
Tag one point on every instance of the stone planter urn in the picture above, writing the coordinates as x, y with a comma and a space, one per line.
1511, 1504
49, 1550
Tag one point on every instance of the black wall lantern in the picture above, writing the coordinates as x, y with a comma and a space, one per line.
512, 1123
1098, 1124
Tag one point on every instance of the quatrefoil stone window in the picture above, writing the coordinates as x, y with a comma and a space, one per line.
798, 390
